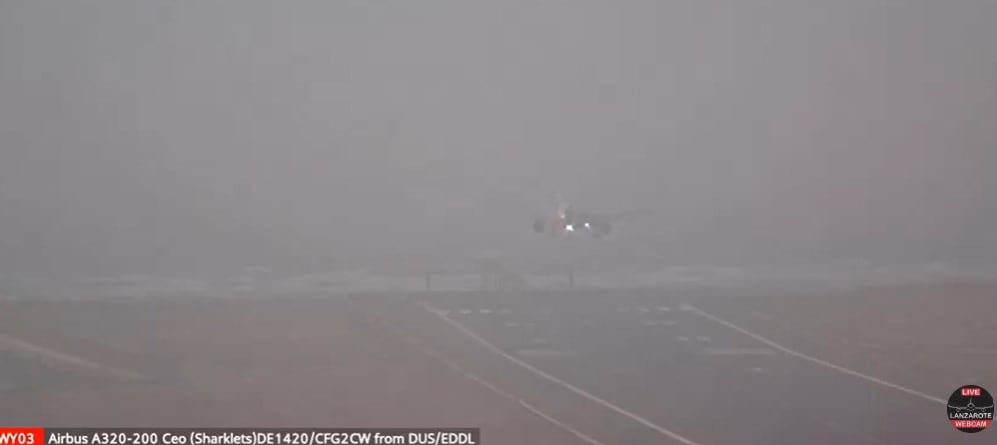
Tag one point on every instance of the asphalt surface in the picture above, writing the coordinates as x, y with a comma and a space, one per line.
633, 367
663, 367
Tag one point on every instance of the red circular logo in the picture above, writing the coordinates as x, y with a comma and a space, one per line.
971, 409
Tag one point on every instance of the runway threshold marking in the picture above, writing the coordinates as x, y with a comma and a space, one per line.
79, 362
545, 352
481, 381
812, 359
739, 351
581, 392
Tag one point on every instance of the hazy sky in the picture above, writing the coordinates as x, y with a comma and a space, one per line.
151, 136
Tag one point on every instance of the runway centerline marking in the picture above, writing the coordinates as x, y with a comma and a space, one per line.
581, 392
481, 381
69, 359
812, 359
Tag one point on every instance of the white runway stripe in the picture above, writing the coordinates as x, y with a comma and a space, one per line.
544, 352
498, 351
474, 377
814, 359
739, 351
68, 359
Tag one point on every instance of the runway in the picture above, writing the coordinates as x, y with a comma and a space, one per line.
596, 367
653, 367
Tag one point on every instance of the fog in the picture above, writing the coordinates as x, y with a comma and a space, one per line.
323, 213
187, 138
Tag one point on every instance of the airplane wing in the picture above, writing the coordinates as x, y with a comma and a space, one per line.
631, 214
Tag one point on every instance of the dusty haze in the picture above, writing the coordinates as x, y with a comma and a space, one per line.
202, 138
322, 213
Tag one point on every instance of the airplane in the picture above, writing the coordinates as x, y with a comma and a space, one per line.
566, 220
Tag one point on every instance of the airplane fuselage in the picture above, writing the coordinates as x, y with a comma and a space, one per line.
566, 221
